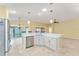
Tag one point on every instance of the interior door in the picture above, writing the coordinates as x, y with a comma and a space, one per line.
2, 38
15, 32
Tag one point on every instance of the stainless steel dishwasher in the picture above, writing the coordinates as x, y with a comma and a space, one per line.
29, 41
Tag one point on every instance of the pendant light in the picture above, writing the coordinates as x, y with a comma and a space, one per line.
19, 24
51, 17
29, 12
28, 21
52, 20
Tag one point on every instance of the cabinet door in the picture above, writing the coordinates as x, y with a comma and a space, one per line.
36, 40
47, 41
41, 41
24, 42
53, 44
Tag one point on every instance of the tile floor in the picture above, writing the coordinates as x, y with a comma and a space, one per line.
71, 48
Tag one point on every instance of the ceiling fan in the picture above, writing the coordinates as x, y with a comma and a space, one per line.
55, 21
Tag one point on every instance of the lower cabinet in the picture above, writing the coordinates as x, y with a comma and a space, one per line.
46, 41
24, 42
35, 41
50, 42
39, 40
53, 44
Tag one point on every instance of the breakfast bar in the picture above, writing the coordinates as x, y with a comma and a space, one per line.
49, 40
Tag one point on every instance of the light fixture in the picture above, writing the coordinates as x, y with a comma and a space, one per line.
51, 21
50, 30
29, 12
28, 22
39, 14
51, 16
19, 18
50, 3
12, 11
44, 9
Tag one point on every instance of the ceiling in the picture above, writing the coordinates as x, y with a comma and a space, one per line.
61, 11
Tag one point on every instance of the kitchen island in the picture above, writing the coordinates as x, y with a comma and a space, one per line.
49, 40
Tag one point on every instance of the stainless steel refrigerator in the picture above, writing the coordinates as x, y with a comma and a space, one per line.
4, 37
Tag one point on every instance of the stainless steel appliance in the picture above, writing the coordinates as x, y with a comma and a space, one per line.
29, 41
4, 37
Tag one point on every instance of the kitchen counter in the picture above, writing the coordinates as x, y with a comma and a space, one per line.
45, 34
53, 35
28, 34
52, 41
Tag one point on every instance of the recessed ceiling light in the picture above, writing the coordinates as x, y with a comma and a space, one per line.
39, 14
44, 9
51, 21
28, 22
12, 11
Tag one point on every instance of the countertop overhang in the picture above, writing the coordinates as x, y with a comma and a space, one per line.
53, 35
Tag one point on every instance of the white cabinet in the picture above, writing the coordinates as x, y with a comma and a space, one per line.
39, 40
35, 40
24, 42
50, 43
56, 44
53, 43
47, 41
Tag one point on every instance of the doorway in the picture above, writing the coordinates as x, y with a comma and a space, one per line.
15, 32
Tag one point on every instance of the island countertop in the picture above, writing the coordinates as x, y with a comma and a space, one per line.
54, 35
50, 40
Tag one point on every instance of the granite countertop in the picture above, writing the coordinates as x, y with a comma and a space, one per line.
44, 34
